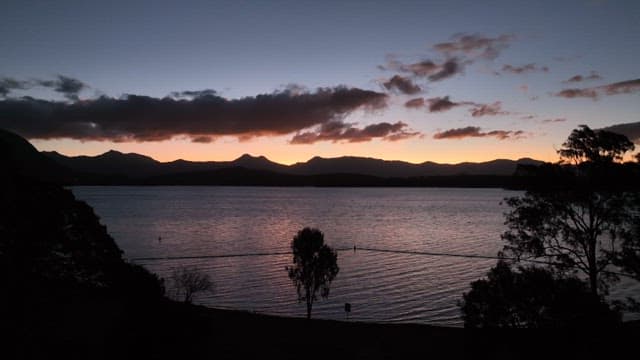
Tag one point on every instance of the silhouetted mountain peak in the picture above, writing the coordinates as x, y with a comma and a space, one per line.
249, 157
117, 155
19, 157
257, 162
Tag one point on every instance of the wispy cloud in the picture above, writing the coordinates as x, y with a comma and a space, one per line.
580, 78
203, 139
337, 131
453, 56
415, 103
67, 86
488, 109
528, 68
556, 120
474, 131
474, 46
402, 84
428, 69
623, 87
578, 93
7, 85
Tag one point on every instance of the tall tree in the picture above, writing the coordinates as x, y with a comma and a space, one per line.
578, 227
585, 144
315, 265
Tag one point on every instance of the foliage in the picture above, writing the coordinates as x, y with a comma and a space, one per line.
572, 230
585, 144
315, 265
629, 258
533, 297
189, 281
577, 223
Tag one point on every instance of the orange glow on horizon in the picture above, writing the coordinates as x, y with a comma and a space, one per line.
444, 152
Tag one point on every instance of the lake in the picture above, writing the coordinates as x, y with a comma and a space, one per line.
380, 286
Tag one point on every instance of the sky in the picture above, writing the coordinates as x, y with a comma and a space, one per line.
445, 81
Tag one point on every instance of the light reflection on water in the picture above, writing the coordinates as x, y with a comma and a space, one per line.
382, 287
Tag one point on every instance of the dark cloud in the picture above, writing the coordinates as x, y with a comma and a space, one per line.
630, 130
474, 131
402, 84
577, 93
68, 87
438, 104
528, 68
448, 69
579, 78
203, 139
475, 45
428, 69
339, 131
144, 118
194, 93
527, 117
414, 103
462, 50
488, 109
7, 85
623, 87
422, 68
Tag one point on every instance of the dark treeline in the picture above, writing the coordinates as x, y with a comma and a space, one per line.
526, 177
239, 176
585, 176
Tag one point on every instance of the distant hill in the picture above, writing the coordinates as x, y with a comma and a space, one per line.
401, 169
116, 168
135, 166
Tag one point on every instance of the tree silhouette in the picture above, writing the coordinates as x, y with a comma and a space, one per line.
578, 226
190, 280
589, 145
315, 265
533, 297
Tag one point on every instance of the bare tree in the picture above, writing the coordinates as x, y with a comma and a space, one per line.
190, 280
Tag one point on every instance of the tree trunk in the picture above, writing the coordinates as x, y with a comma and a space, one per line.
593, 269
593, 282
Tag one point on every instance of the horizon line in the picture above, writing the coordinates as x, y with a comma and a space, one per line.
293, 163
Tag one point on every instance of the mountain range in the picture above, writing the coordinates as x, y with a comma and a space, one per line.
116, 168
139, 166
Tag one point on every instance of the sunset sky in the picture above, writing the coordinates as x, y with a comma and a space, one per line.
445, 81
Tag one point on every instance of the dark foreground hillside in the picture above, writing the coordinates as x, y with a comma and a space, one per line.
91, 326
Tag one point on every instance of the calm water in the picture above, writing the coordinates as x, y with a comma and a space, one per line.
382, 287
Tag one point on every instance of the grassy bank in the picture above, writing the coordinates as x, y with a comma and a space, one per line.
98, 327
